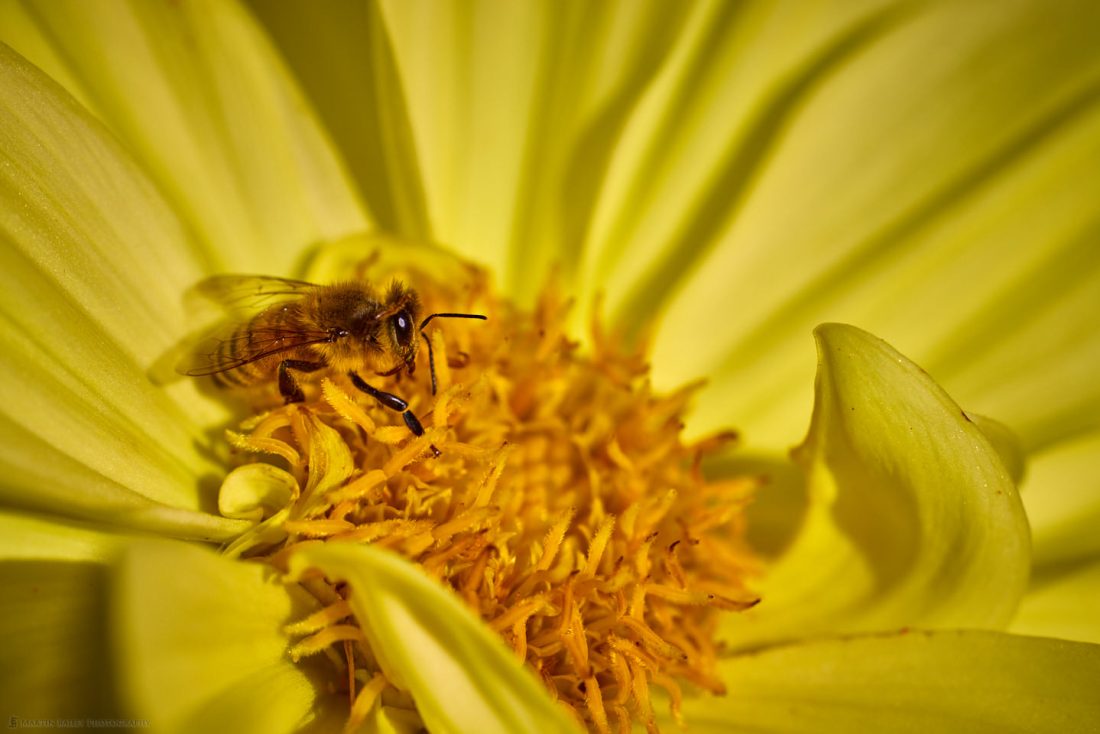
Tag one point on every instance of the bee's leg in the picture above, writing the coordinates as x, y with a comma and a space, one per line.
288, 386
392, 402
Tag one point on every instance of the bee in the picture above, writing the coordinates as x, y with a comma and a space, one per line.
295, 327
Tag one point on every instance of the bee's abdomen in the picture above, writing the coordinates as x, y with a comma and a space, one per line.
256, 346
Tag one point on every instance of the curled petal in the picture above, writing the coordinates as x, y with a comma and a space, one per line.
459, 673
913, 518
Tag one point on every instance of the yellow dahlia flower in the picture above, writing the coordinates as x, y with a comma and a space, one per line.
699, 186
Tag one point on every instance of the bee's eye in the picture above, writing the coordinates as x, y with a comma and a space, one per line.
403, 328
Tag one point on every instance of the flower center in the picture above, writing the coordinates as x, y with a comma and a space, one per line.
564, 508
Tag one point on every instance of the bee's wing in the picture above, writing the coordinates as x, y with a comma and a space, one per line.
233, 345
244, 293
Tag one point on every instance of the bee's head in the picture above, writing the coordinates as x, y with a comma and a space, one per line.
401, 329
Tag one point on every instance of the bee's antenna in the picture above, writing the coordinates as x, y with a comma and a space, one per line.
452, 316
431, 355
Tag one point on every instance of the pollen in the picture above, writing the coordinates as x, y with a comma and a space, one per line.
564, 508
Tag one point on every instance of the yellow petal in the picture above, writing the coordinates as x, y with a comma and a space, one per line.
913, 519
29, 537
459, 673
204, 103
938, 204
88, 302
343, 57
1004, 442
53, 641
54, 634
255, 491
972, 682
516, 109
1062, 496
739, 79
1063, 603
200, 642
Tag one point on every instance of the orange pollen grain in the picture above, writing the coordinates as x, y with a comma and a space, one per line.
565, 508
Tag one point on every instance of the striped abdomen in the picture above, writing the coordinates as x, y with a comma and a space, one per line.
251, 353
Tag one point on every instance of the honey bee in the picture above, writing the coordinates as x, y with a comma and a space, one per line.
291, 326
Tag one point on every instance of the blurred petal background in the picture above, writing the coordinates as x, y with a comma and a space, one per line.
923, 170
728, 175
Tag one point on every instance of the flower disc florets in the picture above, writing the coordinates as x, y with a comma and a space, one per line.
564, 509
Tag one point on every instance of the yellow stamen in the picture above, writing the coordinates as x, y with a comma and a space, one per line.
320, 619
469, 520
554, 537
390, 530
345, 406
594, 700
415, 448
366, 488
621, 673
317, 642
564, 508
640, 690
261, 445
573, 637
318, 528
486, 488
519, 612
676, 697
650, 639
599, 543
349, 658
364, 702
519, 638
